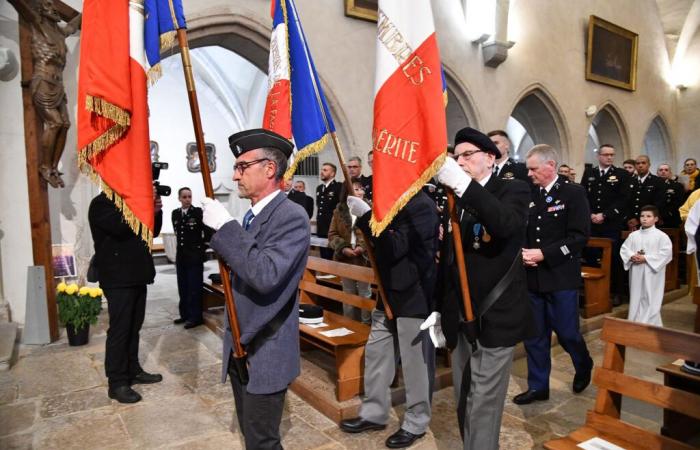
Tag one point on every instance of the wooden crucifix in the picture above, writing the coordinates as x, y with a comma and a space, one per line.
43, 56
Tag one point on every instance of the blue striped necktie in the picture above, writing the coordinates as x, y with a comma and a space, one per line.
247, 219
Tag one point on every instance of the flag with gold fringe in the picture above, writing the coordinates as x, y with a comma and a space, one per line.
113, 139
163, 19
296, 106
409, 134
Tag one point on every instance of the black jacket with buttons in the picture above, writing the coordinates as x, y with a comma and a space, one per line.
559, 225
674, 192
651, 192
122, 258
326, 201
191, 234
609, 195
513, 170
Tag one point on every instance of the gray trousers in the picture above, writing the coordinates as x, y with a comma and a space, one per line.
490, 372
386, 343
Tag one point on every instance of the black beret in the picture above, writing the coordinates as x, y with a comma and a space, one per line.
247, 140
477, 138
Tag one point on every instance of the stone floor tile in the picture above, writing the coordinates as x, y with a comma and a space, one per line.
97, 429
61, 404
299, 435
188, 361
17, 417
53, 374
220, 441
9, 388
152, 424
17, 442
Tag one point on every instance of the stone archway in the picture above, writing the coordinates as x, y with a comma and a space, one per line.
607, 127
460, 107
657, 143
536, 120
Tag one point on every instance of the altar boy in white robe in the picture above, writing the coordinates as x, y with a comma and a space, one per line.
645, 253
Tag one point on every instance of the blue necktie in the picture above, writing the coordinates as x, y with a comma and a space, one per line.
248, 218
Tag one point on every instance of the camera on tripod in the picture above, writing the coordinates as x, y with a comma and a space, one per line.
161, 189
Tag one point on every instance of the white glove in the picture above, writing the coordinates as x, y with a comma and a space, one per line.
453, 176
358, 207
432, 324
214, 214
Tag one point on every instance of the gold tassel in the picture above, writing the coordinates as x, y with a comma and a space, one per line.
378, 227
305, 152
154, 74
167, 40
106, 109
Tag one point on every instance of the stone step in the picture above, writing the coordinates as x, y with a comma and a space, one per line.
8, 335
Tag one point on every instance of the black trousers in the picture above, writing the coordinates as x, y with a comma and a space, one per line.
259, 415
127, 309
189, 287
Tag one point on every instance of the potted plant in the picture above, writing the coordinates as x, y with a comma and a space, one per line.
78, 307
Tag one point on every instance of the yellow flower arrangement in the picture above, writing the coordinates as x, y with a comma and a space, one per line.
78, 306
95, 292
72, 289
61, 287
84, 290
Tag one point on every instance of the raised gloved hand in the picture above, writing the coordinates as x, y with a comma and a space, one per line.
214, 214
453, 176
432, 324
358, 207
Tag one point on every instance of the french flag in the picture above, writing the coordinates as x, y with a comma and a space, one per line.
296, 106
409, 134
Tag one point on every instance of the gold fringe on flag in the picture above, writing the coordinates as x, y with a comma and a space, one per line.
122, 120
167, 40
154, 74
305, 152
378, 227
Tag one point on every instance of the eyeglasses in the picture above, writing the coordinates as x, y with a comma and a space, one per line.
242, 166
467, 154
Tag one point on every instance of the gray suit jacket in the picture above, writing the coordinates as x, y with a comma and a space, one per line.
267, 262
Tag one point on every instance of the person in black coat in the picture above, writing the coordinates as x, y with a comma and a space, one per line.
493, 218
607, 190
327, 195
125, 266
557, 231
405, 253
191, 234
645, 189
506, 167
298, 196
674, 192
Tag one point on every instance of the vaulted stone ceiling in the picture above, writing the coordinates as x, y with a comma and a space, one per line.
674, 14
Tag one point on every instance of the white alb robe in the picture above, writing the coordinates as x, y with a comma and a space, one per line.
647, 280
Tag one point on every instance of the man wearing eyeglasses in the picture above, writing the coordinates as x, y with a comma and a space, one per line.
493, 220
607, 189
267, 253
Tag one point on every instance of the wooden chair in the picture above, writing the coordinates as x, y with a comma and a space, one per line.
604, 420
596, 280
348, 350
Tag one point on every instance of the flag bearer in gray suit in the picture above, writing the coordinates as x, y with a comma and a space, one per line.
405, 254
267, 254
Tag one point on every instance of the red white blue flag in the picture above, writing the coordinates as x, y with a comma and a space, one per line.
296, 106
409, 134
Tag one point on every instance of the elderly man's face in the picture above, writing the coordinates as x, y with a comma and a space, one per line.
473, 160
664, 171
540, 171
252, 172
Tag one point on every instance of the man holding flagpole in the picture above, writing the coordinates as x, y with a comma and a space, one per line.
409, 141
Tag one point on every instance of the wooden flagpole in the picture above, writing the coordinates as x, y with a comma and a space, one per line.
459, 256
346, 175
238, 350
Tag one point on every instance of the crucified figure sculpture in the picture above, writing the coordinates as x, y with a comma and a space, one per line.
46, 86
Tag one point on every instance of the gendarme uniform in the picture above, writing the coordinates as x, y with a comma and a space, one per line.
512, 170
189, 261
674, 193
649, 190
326, 201
607, 193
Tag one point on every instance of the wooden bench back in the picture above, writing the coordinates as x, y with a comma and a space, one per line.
318, 266
606, 258
613, 383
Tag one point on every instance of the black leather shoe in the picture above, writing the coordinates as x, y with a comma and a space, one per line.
582, 380
189, 324
124, 394
402, 439
178, 321
146, 378
530, 396
358, 425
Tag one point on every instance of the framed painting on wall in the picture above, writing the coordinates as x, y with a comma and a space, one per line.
193, 164
611, 54
362, 9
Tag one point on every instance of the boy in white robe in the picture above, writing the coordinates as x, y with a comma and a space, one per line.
645, 253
